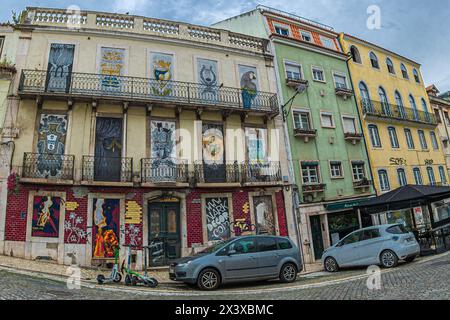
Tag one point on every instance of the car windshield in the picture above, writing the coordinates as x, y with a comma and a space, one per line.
216, 246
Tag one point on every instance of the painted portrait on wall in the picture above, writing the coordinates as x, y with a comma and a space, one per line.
207, 74
163, 150
161, 68
51, 144
46, 215
106, 227
256, 141
217, 218
264, 215
112, 66
212, 143
248, 78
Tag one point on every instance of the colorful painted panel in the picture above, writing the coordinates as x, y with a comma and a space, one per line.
112, 66
208, 78
212, 143
106, 227
161, 68
163, 166
51, 144
249, 85
46, 215
217, 218
256, 140
264, 215
60, 63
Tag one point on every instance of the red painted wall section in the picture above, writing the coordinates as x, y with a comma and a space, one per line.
16, 216
194, 218
240, 199
282, 223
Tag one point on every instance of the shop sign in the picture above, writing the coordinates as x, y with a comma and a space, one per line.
344, 205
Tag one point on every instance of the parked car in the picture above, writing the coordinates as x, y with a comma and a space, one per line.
245, 258
381, 245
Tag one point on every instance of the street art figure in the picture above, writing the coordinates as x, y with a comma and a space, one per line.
249, 85
74, 228
161, 69
207, 75
265, 223
51, 144
163, 150
212, 142
46, 215
217, 218
106, 227
111, 67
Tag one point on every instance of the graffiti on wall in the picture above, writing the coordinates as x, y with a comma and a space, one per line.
133, 213
106, 227
264, 215
46, 215
51, 144
249, 85
112, 65
161, 68
208, 78
131, 231
217, 218
74, 228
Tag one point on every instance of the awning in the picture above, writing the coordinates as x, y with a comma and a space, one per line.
343, 205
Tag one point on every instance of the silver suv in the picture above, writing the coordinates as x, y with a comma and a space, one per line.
245, 258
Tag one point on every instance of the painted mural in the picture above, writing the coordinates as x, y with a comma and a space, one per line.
212, 143
208, 78
217, 218
51, 144
106, 227
112, 65
264, 215
256, 144
161, 68
59, 69
163, 150
46, 215
74, 228
249, 85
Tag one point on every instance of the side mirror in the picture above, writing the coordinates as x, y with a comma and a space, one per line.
231, 252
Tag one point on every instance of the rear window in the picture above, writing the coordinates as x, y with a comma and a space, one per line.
284, 244
267, 244
399, 229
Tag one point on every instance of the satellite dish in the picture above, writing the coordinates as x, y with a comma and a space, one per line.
301, 88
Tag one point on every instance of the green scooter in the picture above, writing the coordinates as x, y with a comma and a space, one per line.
115, 275
132, 277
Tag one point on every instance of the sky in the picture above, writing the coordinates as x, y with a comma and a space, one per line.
417, 29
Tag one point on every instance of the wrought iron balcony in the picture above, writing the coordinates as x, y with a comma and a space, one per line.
363, 183
306, 134
385, 110
313, 188
47, 166
144, 91
254, 172
170, 170
215, 172
107, 169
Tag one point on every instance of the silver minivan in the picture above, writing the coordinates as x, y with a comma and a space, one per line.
245, 258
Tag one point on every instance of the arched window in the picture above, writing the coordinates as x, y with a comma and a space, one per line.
442, 175
385, 108
425, 109
356, 57
402, 181
431, 177
374, 136
393, 137
399, 103
404, 71
412, 102
365, 98
390, 66
384, 180
374, 60
416, 75
418, 176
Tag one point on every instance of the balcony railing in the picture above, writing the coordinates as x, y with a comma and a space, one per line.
145, 90
155, 170
363, 183
261, 172
47, 166
386, 110
312, 188
107, 169
215, 172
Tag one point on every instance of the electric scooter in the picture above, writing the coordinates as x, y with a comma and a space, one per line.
115, 275
132, 277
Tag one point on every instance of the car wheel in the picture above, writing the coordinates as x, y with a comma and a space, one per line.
208, 279
410, 259
330, 264
388, 259
288, 273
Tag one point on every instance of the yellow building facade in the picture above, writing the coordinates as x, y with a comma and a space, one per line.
398, 123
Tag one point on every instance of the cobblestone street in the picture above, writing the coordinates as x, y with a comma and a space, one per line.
424, 279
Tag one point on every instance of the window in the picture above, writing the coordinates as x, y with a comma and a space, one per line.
349, 124
412, 102
404, 71
425, 110
243, 246
401, 177
390, 66
398, 229
409, 139
318, 74
374, 136
358, 171
284, 31
267, 244
370, 234
393, 137
336, 169
310, 173
284, 244
356, 57
416, 76
434, 141
442, 175
2, 40
384, 180
418, 176
447, 119
399, 103
302, 120
327, 42
437, 115
340, 81
306, 36
327, 120
431, 177
374, 60
423, 140
352, 238
385, 107
293, 71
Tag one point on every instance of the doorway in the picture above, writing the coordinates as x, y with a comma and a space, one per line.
317, 238
164, 235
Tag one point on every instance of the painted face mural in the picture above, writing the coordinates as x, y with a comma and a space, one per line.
106, 229
207, 75
161, 68
51, 144
217, 218
249, 85
265, 222
256, 144
112, 62
212, 143
46, 215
